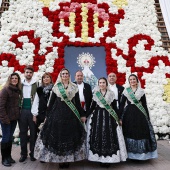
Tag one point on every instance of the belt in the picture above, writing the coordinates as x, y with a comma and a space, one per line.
82, 104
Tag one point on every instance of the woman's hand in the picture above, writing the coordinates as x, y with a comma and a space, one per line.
6, 122
45, 120
83, 119
120, 122
34, 119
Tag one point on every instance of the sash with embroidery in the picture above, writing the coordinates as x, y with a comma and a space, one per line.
107, 106
136, 102
68, 102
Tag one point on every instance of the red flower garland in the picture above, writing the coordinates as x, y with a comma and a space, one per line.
112, 66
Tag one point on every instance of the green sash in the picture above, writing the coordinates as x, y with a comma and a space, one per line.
68, 102
136, 102
107, 106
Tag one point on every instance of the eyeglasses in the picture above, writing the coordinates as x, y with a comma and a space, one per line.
64, 73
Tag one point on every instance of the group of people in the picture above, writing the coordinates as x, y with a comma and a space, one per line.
106, 125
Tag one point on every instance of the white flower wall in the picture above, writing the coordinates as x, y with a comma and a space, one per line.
33, 33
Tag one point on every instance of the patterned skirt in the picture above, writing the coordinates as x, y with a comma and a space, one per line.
105, 141
139, 135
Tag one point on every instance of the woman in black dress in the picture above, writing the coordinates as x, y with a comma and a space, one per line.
105, 142
62, 138
137, 129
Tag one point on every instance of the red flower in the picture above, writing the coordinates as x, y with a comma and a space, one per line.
45, 11
112, 66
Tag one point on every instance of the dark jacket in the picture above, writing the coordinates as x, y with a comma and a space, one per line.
87, 95
120, 91
9, 104
43, 100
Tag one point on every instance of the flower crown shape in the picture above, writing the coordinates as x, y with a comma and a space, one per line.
86, 59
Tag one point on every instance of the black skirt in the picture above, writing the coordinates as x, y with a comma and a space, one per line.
103, 138
62, 133
138, 131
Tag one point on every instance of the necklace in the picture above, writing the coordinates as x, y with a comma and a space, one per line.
103, 93
134, 90
66, 87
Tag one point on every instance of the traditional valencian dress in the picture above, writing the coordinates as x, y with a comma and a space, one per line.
137, 129
105, 141
62, 138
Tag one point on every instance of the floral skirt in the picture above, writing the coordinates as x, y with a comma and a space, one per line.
61, 139
43, 154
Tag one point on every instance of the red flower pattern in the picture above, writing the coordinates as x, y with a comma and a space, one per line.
112, 66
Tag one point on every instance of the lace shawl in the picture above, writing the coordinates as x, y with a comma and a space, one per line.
109, 97
138, 94
70, 91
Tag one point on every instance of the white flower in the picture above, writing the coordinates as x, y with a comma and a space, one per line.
23, 39
139, 18
42, 68
50, 69
21, 62
42, 51
5, 63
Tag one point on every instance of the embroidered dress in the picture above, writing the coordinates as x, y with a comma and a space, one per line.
105, 142
137, 129
62, 138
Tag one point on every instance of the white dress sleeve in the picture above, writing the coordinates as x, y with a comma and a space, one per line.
34, 108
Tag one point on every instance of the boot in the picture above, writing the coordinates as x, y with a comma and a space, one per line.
9, 152
4, 153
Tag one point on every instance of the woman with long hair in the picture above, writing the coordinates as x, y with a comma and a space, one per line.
39, 106
62, 138
9, 114
137, 129
105, 142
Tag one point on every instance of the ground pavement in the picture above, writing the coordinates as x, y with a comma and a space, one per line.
162, 163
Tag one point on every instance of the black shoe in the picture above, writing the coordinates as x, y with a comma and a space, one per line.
11, 160
101, 164
107, 165
32, 158
6, 162
61, 165
66, 165
42, 162
22, 158
135, 160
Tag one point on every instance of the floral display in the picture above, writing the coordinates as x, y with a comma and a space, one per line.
36, 32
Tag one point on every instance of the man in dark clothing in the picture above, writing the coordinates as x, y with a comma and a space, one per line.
117, 89
85, 92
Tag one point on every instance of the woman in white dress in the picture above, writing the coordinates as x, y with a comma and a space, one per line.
105, 142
